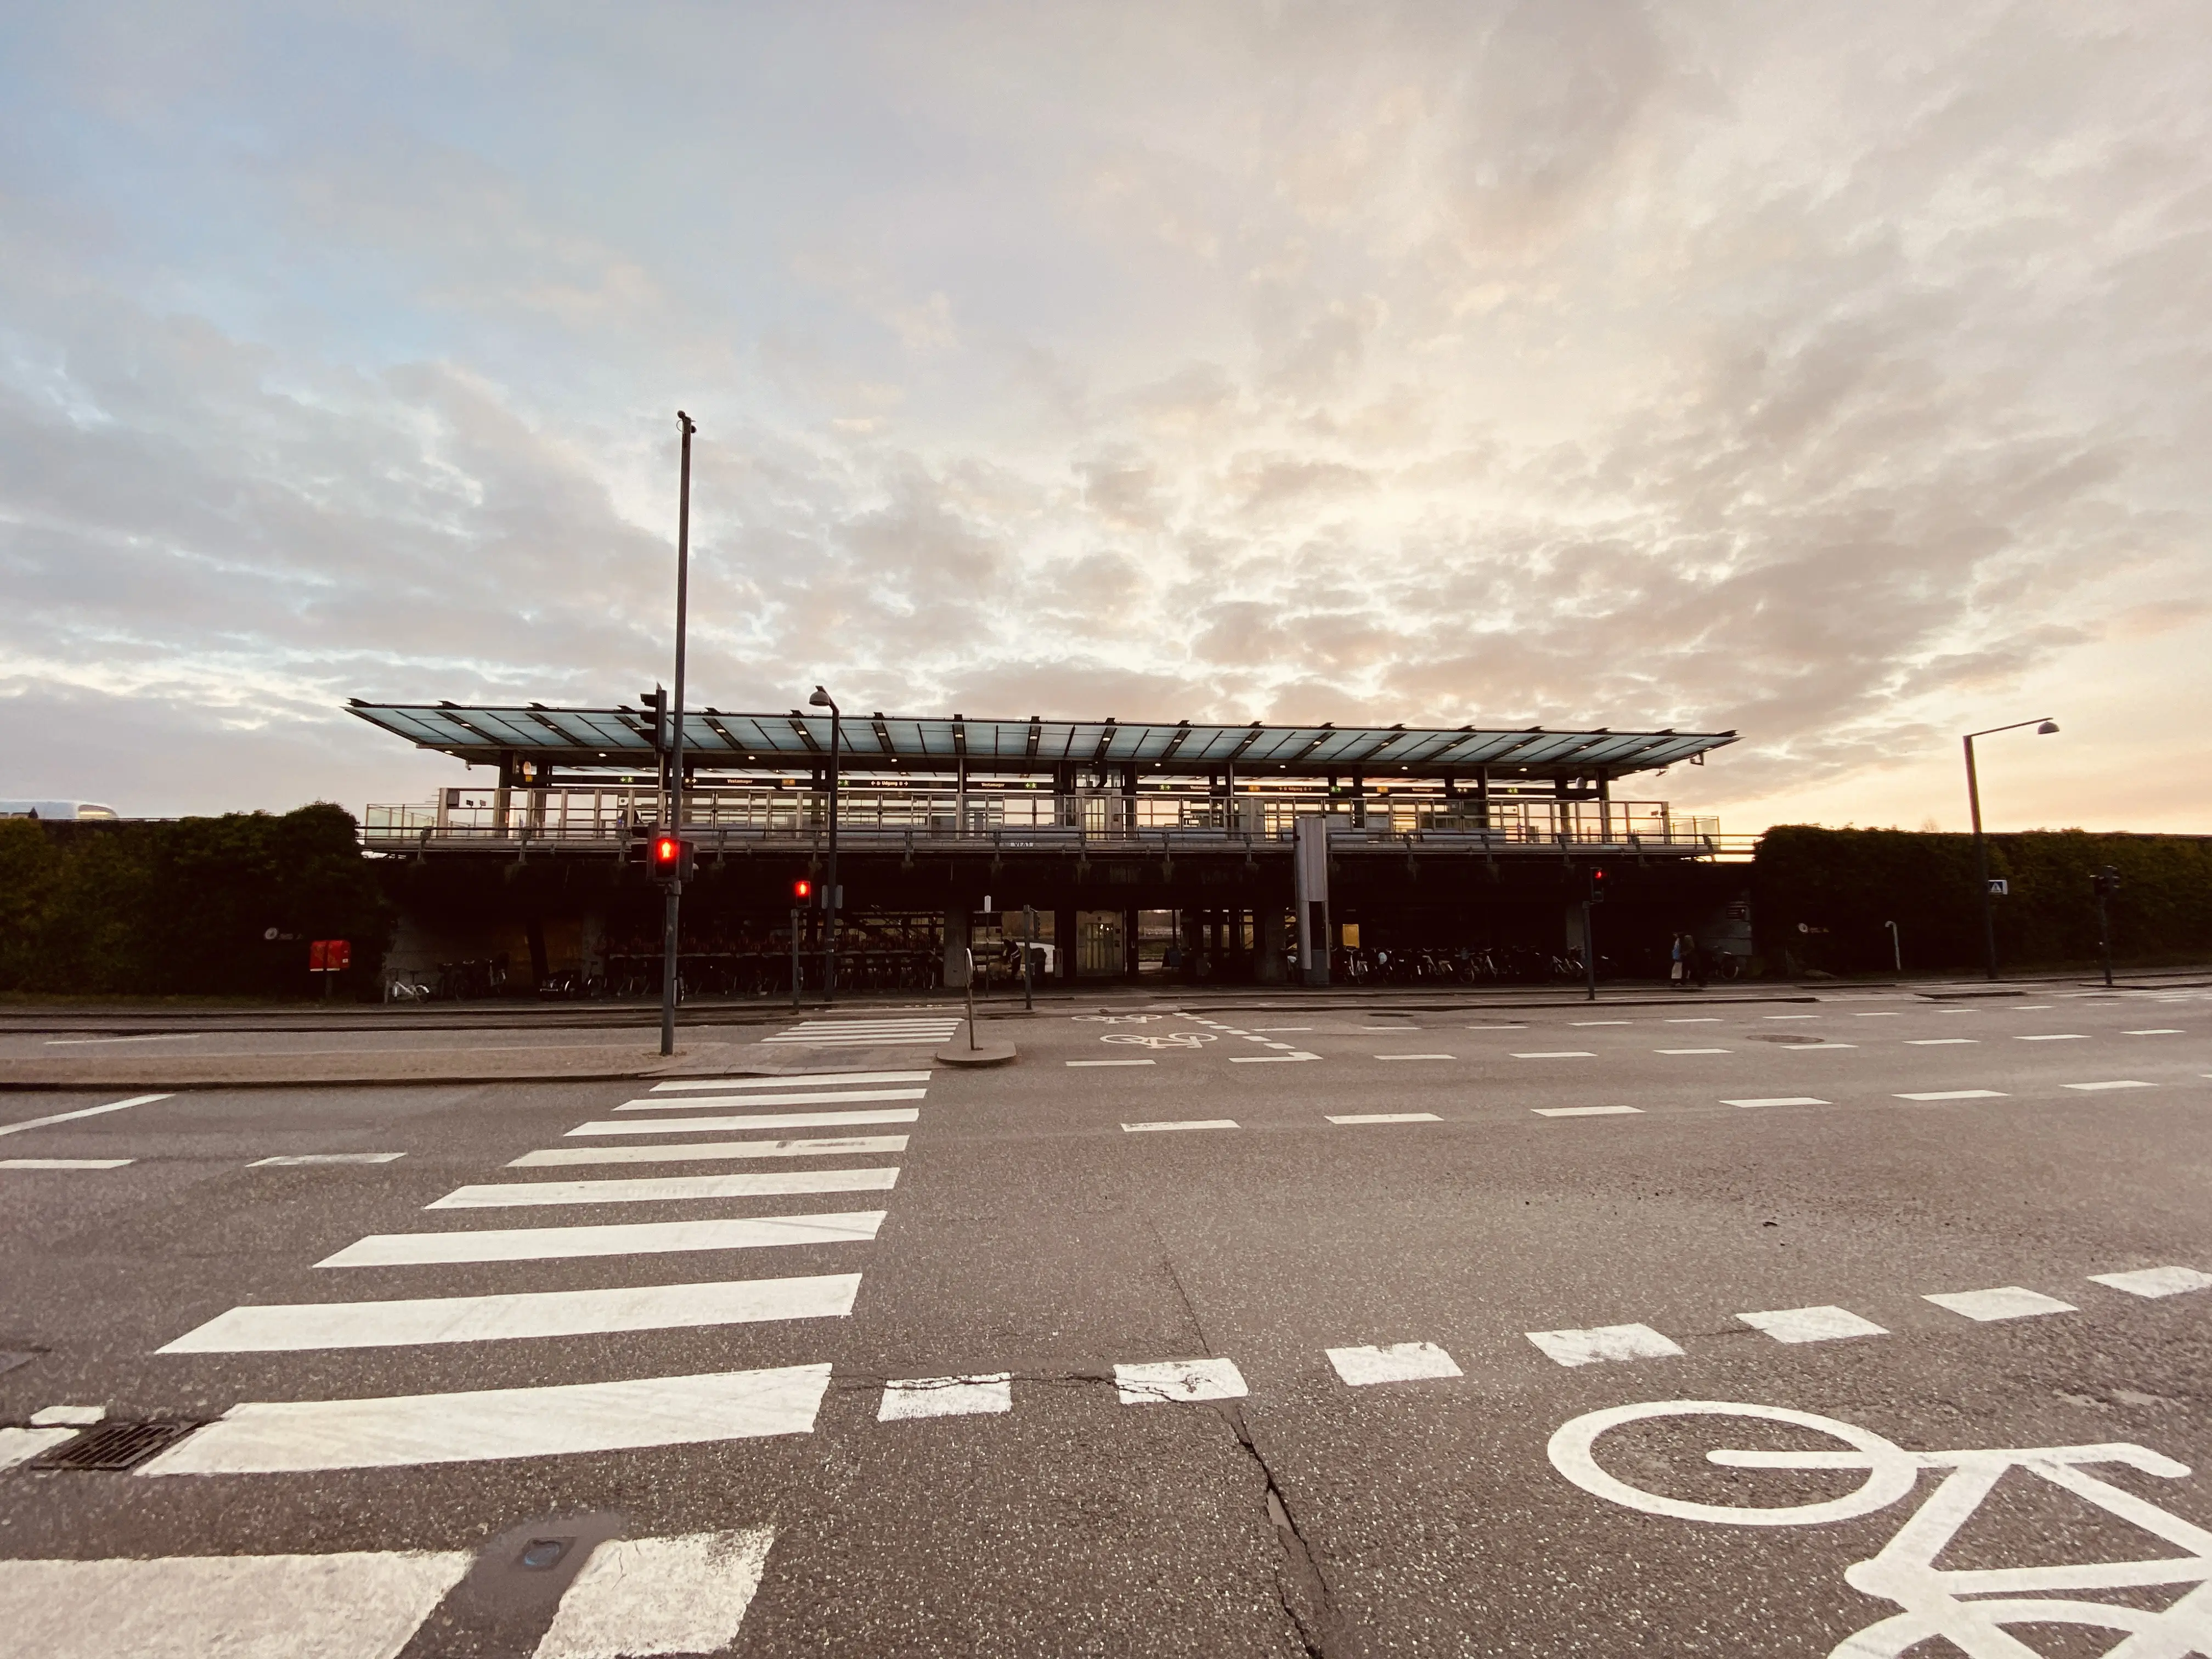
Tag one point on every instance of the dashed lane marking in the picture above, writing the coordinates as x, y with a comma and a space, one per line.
1957, 1094
275, 1437
809, 1097
1179, 1380
619, 1238
2005, 1302
1278, 1029
1558, 1053
1693, 1051
1113, 1062
297, 1160
684, 1125
2052, 1037
1498, 1028
1268, 1060
1817, 1048
283, 1328
1388, 1117
1888, 1013
1790, 1016
1187, 1123
1585, 1111
1697, 1020
697, 1150
65, 1163
661, 1190
1603, 1343
2117, 1083
986, 1394
1823, 1324
1415, 1056
81, 1111
1780, 1100
1601, 1021
2152, 1282
2162, 1030
806, 1080
1936, 1042
1402, 1362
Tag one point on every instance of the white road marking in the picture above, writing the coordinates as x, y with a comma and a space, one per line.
1823, 1324
151, 1036
1268, 1060
1388, 1117
293, 1160
2161, 1030
690, 1151
286, 1328
1282, 1028
1181, 1380
2006, 1302
1186, 1123
1498, 1028
2154, 1281
979, 1395
810, 1097
1692, 1051
889, 1040
1605, 1342
1601, 1021
1415, 1056
2117, 1083
1402, 1362
2029, 1007
659, 1189
1816, 1047
1958, 1094
275, 1437
1890, 1014
647, 1596
1780, 1100
1697, 1020
21, 1446
1584, 1111
358, 1605
684, 1125
621, 1238
2053, 1036
1558, 1054
1113, 1062
803, 1079
1789, 1016
65, 1163
68, 1417
81, 1111
1936, 1042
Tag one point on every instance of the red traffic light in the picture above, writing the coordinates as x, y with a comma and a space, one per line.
802, 890
669, 857
667, 852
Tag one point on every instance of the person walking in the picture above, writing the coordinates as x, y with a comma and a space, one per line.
1678, 967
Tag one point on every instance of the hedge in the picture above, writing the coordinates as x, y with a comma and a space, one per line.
183, 906
1820, 896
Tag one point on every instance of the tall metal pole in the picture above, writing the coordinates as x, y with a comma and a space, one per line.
1981, 864
671, 932
1589, 953
830, 941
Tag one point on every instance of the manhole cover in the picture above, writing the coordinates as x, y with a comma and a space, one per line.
114, 1446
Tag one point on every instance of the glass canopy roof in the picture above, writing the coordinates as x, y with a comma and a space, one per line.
593, 738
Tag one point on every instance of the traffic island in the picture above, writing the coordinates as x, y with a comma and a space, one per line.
983, 1053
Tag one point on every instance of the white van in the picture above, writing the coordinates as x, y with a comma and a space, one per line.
56, 809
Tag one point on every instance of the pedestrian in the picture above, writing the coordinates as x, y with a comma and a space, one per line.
1678, 968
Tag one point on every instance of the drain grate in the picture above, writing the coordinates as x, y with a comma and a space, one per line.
114, 1446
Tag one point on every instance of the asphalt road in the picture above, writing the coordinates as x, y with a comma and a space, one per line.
1318, 1379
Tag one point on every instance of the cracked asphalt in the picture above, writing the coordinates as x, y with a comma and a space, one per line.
1545, 1174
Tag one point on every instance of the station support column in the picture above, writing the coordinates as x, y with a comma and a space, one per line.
1267, 943
956, 946
1311, 859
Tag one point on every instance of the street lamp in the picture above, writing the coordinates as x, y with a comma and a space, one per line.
2043, 728
822, 699
674, 824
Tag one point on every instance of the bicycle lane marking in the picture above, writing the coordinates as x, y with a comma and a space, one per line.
1903, 1571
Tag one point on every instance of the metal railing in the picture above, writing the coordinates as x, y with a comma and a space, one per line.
1016, 819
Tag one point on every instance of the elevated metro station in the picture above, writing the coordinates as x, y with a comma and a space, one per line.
1252, 853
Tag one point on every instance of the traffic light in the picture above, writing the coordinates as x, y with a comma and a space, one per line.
2106, 882
669, 856
1597, 884
802, 892
656, 703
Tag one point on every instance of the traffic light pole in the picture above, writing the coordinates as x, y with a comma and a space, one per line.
1589, 953
671, 953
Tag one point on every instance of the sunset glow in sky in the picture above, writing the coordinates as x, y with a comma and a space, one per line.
1842, 375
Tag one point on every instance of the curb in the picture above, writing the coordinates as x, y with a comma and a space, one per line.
985, 1053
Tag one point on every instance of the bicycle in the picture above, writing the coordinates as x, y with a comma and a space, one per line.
1903, 1571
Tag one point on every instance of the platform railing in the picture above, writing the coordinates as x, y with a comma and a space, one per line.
1013, 819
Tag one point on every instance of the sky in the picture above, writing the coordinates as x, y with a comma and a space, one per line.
1837, 376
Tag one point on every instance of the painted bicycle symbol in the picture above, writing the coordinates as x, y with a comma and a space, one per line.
1163, 1040
1904, 1570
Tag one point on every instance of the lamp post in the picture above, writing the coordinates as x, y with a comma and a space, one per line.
822, 699
2043, 728
669, 933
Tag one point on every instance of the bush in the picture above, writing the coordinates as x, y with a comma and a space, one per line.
1821, 896
183, 907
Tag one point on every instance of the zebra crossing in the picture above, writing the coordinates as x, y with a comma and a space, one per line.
889, 1031
558, 1418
